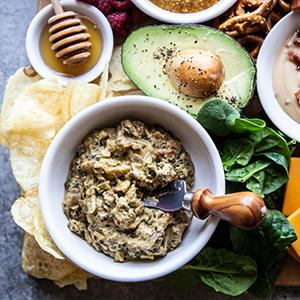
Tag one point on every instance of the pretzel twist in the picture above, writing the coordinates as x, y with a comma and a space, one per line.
272, 19
244, 25
285, 5
252, 43
258, 7
249, 21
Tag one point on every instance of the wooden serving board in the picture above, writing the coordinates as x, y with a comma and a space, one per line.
41, 4
290, 274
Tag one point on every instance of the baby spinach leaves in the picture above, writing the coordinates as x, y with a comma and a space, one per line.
221, 119
267, 245
224, 270
217, 116
239, 151
253, 155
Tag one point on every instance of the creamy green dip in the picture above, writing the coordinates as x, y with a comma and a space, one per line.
112, 171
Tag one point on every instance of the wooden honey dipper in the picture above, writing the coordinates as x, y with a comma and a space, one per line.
69, 36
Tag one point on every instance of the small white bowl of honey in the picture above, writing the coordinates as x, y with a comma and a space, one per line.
42, 57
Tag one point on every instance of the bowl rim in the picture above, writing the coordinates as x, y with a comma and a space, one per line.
266, 58
183, 18
208, 228
33, 37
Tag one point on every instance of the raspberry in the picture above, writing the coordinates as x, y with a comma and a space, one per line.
122, 4
105, 6
117, 21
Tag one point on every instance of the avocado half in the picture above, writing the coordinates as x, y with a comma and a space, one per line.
146, 50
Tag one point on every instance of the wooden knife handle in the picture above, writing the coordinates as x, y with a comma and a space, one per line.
245, 210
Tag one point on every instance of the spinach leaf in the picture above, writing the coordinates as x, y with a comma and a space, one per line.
236, 151
267, 245
243, 174
256, 183
277, 158
276, 177
278, 230
224, 270
221, 119
267, 140
216, 115
262, 176
243, 125
268, 180
275, 231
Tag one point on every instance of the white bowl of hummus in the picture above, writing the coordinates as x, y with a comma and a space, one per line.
278, 75
85, 168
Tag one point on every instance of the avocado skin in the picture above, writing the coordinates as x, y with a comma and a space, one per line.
239, 104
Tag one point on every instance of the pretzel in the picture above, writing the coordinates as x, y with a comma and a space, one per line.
295, 5
285, 5
243, 25
272, 19
252, 43
216, 22
258, 7
245, 6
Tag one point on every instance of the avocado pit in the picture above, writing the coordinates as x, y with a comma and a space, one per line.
195, 72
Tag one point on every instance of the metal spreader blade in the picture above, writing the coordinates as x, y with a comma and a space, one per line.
168, 199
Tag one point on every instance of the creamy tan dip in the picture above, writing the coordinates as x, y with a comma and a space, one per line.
111, 173
286, 77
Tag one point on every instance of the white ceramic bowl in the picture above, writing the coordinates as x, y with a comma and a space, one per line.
179, 18
274, 42
208, 173
37, 25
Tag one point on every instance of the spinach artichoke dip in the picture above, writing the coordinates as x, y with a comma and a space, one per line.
112, 171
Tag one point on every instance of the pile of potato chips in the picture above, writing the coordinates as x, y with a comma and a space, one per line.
33, 111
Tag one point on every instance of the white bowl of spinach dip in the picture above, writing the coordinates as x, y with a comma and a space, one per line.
99, 168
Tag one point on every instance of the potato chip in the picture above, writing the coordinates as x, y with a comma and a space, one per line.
127, 93
27, 214
28, 118
83, 95
26, 156
33, 111
103, 82
41, 264
16, 84
24, 211
78, 278
119, 81
51, 98
43, 238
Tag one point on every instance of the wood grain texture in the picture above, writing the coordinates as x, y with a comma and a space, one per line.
41, 4
246, 210
290, 273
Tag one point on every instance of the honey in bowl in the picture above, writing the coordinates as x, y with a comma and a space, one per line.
184, 6
57, 65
